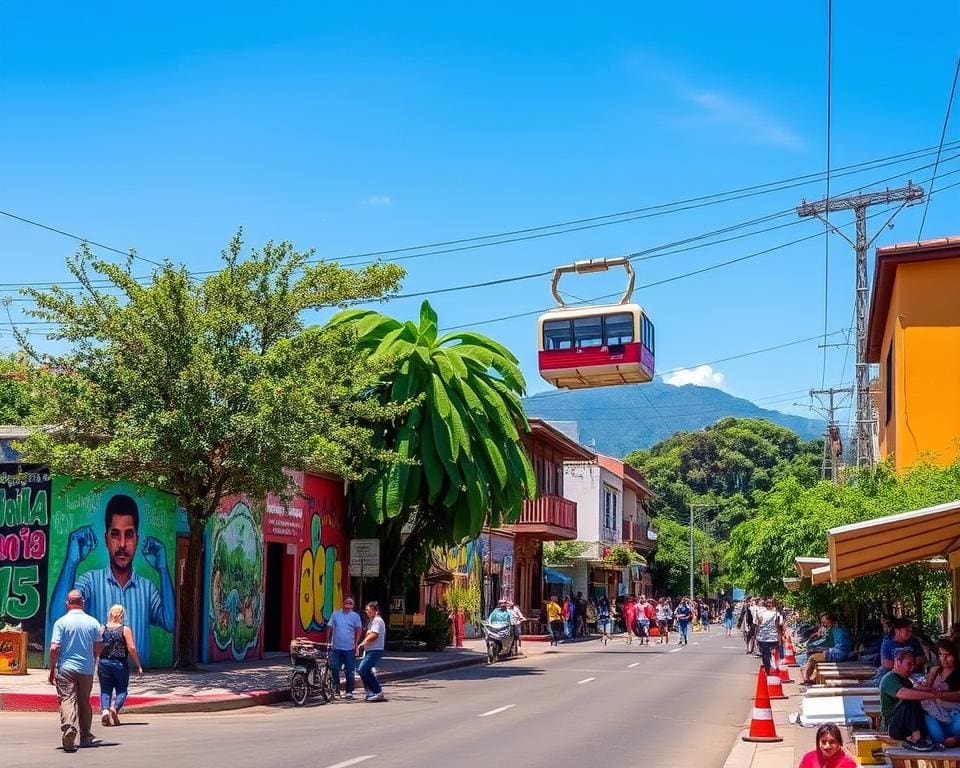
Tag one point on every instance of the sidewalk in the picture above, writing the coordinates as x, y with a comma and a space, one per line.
219, 687
797, 741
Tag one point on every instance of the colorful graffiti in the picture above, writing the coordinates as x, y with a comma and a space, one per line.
24, 531
115, 542
235, 583
321, 580
323, 553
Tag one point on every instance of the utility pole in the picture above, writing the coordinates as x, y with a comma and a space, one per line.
832, 443
908, 195
693, 509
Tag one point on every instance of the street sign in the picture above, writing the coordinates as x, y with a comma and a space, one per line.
365, 558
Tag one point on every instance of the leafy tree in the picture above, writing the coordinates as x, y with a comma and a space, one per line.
17, 395
563, 552
671, 561
209, 387
793, 521
725, 466
461, 463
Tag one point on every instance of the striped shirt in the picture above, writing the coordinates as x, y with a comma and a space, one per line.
139, 597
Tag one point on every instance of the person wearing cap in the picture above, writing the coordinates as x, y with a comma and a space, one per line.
75, 644
501, 614
343, 635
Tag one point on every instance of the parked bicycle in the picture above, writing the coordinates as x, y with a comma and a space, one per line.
310, 671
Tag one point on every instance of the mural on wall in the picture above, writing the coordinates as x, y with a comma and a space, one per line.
24, 532
323, 556
115, 542
234, 583
488, 553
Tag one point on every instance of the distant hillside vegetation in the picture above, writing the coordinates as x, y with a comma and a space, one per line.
624, 419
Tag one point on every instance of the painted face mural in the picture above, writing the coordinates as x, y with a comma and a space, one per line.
321, 576
235, 606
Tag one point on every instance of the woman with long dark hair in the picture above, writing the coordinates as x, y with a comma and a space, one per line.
829, 752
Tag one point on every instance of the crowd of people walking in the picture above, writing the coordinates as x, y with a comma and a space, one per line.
637, 617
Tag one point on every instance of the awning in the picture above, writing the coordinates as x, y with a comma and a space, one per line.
820, 575
555, 577
876, 545
793, 584
805, 565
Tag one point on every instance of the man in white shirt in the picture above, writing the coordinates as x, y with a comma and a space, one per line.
343, 634
372, 647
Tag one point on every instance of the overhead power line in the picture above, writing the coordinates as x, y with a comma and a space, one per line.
943, 133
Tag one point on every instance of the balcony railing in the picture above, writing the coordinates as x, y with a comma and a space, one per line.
549, 510
635, 533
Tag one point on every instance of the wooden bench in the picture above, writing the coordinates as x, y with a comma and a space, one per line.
907, 758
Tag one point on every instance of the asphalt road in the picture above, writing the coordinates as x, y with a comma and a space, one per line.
583, 706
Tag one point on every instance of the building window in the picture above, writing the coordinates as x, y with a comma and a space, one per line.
890, 384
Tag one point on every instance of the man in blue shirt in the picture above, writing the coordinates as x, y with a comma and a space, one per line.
74, 646
144, 605
500, 615
343, 634
902, 637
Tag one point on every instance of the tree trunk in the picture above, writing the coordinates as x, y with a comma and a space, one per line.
186, 646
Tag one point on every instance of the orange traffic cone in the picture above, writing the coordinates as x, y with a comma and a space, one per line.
761, 722
774, 685
782, 669
789, 657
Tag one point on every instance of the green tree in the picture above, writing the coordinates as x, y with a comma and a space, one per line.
563, 552
17, 394
793, 520
209, 387
671, 561
725, 466
461, 460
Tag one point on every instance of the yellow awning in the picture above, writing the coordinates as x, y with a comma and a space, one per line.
886, 542
806, 564
820, 575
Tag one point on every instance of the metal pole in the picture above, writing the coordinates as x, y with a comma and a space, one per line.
691, 552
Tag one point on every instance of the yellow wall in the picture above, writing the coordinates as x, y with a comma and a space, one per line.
924, 326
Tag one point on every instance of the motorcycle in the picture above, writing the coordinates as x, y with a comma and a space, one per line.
501, 641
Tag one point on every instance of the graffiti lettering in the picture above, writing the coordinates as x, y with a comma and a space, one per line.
321, 580
23, 510
19, 596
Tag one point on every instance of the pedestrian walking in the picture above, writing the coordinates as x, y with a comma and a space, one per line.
728, 619
683, 615
74, 646
343, 635
555, 620
372, 647
113, 669
569, 616
769, 631
705, 616
604, 618
664, 619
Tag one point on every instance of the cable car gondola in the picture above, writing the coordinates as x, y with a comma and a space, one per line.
595, 346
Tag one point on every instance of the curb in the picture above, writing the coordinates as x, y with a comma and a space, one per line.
40, 702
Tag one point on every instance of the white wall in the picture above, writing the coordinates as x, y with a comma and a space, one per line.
581, 483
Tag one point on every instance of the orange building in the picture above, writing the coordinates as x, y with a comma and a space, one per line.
914, 334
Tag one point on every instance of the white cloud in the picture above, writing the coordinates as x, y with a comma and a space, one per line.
702, 376
719, 109
376, 201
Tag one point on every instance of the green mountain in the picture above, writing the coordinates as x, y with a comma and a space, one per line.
617, 420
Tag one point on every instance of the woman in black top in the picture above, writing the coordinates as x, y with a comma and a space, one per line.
113, 669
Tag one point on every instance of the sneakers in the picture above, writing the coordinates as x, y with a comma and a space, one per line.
374, 697
348, 696
105, 718
114, 716
69, 740
88, 741
924, 745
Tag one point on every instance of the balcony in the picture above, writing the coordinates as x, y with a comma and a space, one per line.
635, 534
549, 518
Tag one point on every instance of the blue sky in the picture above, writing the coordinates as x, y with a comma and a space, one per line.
386, 126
